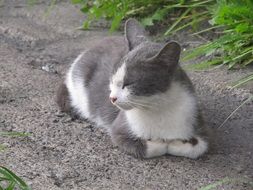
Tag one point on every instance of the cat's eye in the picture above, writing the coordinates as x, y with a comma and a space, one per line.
127, 84
119, 84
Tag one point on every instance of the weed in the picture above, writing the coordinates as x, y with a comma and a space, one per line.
14, 134
250, 98
227, 180
10, 181
233, 19
149, 11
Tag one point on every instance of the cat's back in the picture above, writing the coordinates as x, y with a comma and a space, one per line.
99, 59
88, 79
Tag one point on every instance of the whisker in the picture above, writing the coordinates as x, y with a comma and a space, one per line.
145, 102
140, 104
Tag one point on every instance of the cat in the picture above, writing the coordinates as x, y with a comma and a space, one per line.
136, 89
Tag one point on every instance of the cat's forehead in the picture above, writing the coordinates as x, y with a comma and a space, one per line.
133, 60
119, 75
141, 53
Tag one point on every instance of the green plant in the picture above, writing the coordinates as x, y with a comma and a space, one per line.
14, 134
234, 47
227, 180
250, 98
11, 134
233, 19
149, 11
10, 181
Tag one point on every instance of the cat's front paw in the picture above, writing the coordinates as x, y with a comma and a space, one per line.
155, 148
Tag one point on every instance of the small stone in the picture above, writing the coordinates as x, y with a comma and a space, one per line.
55, 121
49, 68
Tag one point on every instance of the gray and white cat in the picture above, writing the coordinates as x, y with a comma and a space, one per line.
138, 91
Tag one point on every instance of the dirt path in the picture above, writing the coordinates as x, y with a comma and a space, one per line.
65, 154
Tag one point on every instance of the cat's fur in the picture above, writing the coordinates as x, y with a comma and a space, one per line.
156, 110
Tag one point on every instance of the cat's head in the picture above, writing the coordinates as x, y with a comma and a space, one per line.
144, 72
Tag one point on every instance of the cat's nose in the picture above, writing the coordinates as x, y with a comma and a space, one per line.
113, 99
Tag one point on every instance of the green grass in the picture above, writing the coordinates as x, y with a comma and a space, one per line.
14, 134
227, 180
232, 19
250, 98
2, 147
242, 81
149, 11
235, 45
10, 181
11, 134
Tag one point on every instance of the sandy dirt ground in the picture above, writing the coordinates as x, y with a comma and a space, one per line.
64, 154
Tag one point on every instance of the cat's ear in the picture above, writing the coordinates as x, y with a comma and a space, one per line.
169, 54
134, 33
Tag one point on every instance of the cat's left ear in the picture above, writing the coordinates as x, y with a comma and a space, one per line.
169, 54
135, 33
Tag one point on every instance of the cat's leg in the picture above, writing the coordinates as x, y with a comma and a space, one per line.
138, 147
156, 148
63, 99
192, 148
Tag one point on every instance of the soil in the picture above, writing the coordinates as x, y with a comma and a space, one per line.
36, 49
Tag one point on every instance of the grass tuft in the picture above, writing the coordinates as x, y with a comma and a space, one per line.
14, 134
250, 98
232, 19
227, 180
10, 181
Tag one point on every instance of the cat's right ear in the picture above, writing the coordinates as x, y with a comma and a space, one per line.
135, 33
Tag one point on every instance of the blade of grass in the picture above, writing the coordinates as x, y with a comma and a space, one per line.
203, 65
188, 24
4, 179
31, 2
2, 147
233, 112
242, 55
49, 9
14, 134
177, 21
243, 81
190, 54
248, 62
198, 4
211, 186
11, 186
228, 180
9, 174
206, 30
204, 49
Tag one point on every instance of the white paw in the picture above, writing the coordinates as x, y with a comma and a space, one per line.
155, 148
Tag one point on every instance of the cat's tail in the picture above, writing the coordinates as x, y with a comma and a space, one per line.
192, 148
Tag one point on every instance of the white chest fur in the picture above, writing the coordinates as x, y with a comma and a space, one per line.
173, 120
